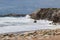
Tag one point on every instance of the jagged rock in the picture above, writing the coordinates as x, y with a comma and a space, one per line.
52, 14
56, 17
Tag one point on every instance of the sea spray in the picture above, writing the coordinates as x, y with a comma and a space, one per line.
14, 24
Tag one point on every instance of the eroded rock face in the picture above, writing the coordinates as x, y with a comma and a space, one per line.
52, 14
56, 17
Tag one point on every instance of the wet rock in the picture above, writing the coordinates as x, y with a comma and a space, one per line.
52, 14
56, 17
33, 16
35, 21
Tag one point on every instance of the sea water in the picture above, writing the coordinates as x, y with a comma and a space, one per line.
17, 24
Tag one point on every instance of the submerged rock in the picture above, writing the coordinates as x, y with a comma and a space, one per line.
35, 21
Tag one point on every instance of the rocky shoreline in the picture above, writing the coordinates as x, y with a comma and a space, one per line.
13, 15
46, 34
52, 14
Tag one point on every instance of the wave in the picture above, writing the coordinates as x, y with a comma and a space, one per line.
17, 24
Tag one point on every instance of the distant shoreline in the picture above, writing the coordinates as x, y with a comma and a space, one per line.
13, 15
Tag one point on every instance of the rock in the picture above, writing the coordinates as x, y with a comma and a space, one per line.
56, 17
52, 14
35, 21
13, 15
33, 16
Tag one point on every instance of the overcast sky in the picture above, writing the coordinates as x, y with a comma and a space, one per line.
26, 6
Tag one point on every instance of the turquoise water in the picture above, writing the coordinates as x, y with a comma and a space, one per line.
26, 6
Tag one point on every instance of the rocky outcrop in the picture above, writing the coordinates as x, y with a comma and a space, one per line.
52, 14
56, 17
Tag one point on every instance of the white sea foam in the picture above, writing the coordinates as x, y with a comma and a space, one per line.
17, 24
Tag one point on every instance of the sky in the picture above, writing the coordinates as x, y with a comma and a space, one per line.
26, 6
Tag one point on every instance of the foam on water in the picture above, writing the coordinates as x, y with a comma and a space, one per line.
17, 24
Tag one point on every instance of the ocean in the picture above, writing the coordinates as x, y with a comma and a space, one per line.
26, 6
17, 24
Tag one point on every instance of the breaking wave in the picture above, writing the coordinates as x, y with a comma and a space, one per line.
17, 24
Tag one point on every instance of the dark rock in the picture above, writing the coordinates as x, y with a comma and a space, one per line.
56, 17
13, 15
35, 21
52, 14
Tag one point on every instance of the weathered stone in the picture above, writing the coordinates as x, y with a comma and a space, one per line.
52, 14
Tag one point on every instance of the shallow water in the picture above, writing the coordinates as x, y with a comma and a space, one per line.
14, 24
